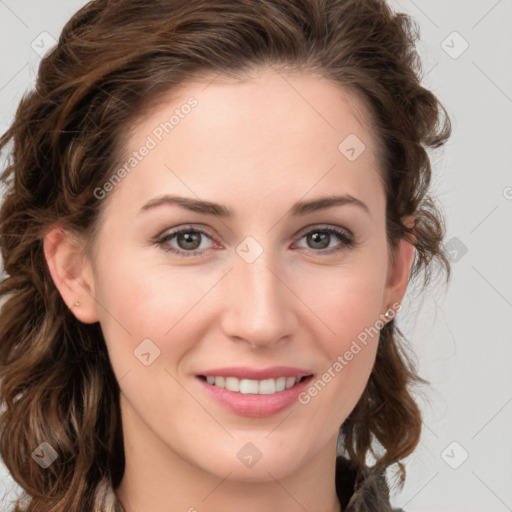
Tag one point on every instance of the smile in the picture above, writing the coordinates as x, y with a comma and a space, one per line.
254, 398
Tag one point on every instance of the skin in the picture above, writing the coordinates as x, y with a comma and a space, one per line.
256, 146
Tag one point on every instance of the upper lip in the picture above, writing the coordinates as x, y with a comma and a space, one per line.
244, 372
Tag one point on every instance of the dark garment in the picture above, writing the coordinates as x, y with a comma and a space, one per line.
371, 494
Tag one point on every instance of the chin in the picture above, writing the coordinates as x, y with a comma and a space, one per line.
255, 461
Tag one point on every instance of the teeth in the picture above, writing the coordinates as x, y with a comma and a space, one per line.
280, 383
254, 387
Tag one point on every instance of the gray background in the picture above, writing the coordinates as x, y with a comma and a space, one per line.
461, 334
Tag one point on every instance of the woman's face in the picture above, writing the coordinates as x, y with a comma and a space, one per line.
271, 284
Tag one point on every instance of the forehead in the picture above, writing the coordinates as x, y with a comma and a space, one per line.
264, 101
255, 137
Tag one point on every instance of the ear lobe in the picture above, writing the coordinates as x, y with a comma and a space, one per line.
71, 272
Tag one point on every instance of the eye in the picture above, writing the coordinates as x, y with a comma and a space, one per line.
319, 239
188, 241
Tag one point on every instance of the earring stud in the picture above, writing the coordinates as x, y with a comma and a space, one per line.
77, 303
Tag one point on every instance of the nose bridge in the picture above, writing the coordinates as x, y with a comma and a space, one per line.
258, 308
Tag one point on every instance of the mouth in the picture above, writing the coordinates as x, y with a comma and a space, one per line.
255, 398
269, 386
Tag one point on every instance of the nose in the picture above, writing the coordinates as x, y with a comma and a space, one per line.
258, 303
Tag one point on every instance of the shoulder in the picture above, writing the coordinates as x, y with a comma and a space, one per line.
367, 492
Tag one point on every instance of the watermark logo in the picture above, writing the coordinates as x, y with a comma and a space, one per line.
42, 43
456, 249
454, 455
454, 45
249, 454
249, 249
147, 352
45, 455
352, 147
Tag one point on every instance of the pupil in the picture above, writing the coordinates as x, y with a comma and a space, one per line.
191, 240
320, 238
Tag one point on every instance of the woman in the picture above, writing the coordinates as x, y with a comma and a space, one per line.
212, 214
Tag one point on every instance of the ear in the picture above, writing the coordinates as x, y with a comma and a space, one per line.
399, 268
71, 272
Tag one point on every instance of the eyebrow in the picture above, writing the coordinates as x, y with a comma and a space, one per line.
218, 210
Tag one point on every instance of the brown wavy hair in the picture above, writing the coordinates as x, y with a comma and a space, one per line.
114, 59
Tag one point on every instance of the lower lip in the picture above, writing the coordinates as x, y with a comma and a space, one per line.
256, 406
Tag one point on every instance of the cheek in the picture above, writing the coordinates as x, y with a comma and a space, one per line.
140, 301
144, 296
347, 301
351, 351
351, 312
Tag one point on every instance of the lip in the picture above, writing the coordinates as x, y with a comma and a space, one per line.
245, 372
253, 405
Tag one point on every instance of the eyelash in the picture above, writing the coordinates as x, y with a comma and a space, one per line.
347, 240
